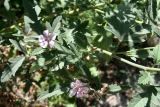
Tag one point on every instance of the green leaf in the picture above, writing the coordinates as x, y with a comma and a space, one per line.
63, 49
13, 67
143, 32
27, 22
18, 46
155, 100
37, 51
94, 71
118, 26
58, 66
6, 4
145, 78
56, 24
29, 9
114, 31
152, 8
81, 40
16, 63
48, 26
137, 101
84, 69
68, 36
103, 41
114, 88
31, 39
75, 50
47, 95
37, 10
41, 61
156, 29
156, 54
70, 105
6, 74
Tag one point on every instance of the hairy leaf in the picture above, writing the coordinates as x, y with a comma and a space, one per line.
138, 102
56, 24
18, 46
47, 95
114, 88
37, 51
6, 4
145, 78
156, 54
12, 69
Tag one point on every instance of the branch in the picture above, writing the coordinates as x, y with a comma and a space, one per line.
135, 50
128, 62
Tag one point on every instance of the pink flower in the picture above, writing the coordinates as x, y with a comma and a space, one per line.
79, 89
47, 39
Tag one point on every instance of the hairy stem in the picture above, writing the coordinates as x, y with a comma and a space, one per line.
128, 62
135, 50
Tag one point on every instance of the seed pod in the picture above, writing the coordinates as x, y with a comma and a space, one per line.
153, 41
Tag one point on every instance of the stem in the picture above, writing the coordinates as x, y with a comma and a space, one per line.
128, 62
99, 4
100, 11
134, 50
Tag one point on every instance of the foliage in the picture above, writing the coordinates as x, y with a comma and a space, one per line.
98, 42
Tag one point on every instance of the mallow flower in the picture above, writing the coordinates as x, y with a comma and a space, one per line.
78, 89
47, 39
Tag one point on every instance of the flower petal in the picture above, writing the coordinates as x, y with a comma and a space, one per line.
41, 38
46, 32
82, 91
43, 44
72, 92
51, 43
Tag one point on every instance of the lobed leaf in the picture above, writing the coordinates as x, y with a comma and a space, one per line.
145, 78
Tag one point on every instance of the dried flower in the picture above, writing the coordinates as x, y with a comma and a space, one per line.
79, 89
47, 39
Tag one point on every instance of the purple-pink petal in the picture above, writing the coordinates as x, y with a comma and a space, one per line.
73, 92
41, 38
43, 44
78, 89
82, 91
47, 39
46, 32
51, 44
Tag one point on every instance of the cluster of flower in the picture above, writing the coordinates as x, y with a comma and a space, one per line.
78, 88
